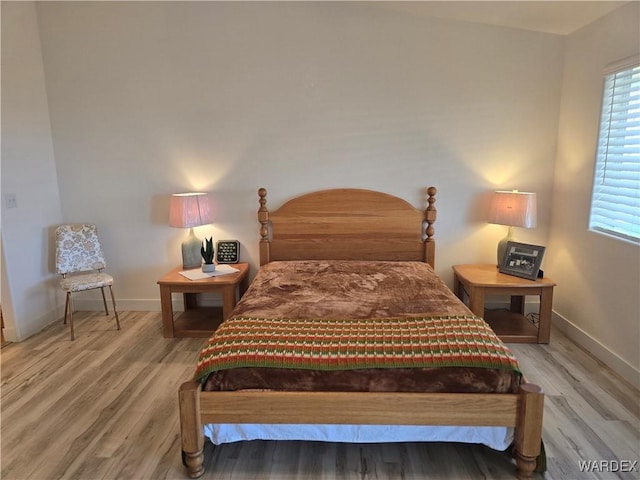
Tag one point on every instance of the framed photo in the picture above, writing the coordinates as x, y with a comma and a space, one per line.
522, 260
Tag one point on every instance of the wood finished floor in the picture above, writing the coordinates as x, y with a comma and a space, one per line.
105, 407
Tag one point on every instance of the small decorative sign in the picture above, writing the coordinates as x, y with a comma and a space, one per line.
227, 251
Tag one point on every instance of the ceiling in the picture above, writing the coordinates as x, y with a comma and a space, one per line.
549, 16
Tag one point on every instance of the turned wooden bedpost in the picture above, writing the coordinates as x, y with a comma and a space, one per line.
191, 433
263, 218
528, 435
430, 217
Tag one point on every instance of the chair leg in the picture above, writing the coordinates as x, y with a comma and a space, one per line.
66, 308
104, 300
70, 304
115, 310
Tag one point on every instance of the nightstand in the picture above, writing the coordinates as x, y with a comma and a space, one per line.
199, 321
475, 282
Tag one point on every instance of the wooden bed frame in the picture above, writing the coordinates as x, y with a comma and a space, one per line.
352, 224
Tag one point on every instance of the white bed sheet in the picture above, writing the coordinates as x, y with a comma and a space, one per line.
498, 438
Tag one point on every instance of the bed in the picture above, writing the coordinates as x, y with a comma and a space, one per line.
327, 236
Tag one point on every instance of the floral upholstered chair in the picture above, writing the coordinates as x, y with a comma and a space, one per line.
80, 261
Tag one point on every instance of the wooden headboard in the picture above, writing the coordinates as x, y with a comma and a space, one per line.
347, 224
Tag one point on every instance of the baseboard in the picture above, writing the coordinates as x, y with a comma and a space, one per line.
142, 305
96, 305
597, 349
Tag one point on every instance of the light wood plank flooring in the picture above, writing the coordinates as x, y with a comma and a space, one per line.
105, 407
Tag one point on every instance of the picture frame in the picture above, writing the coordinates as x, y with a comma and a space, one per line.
522, 260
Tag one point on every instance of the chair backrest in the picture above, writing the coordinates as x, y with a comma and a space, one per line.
78, 249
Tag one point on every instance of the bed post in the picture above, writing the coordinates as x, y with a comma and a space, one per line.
191, 433
528, 435
430, 217
263, 218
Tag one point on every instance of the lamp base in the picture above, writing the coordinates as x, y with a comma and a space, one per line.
502, 246
191, 257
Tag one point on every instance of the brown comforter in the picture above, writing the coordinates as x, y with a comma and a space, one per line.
355, 289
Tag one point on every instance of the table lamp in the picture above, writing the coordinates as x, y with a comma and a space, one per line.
514, 209
188, 210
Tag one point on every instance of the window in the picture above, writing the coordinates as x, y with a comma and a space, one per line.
615, 202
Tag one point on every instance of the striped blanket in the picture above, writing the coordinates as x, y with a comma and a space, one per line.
347, 344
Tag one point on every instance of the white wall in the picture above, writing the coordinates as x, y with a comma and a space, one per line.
30, 295
148, 99
598, 277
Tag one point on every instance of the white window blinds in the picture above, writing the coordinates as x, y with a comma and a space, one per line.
615, 203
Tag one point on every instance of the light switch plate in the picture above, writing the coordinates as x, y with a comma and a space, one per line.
10, 200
